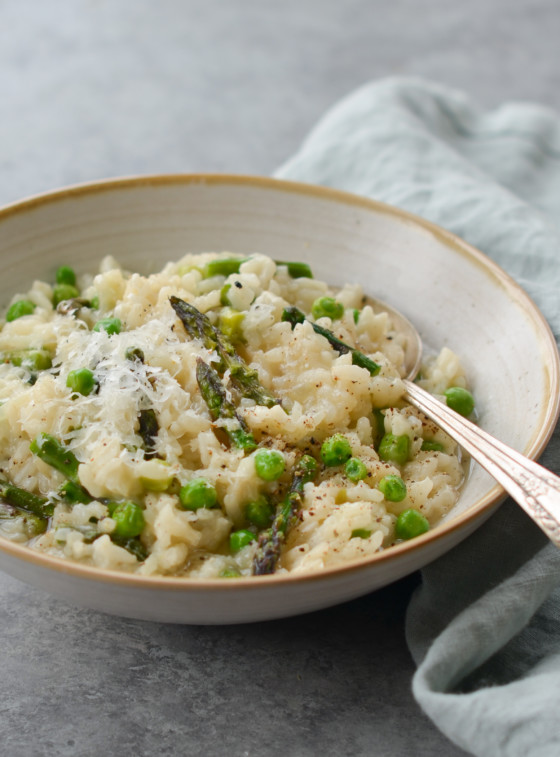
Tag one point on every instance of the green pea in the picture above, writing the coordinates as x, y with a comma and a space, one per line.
81, 380
129, 520
393, 488
63, 292
197, 493
269, 464
19, 309
430, 446
394, 449
110, 325
240, 539
410, 524
355, 470
356, 315
65, 275
327, 307
336, 450
259, 512
460, 400
360, 533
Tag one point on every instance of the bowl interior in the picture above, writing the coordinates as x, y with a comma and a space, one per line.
453, 294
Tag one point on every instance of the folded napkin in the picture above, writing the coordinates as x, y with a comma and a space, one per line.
483, 627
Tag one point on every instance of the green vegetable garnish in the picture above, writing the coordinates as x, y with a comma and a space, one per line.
272, 539
294, 316
240, 539
360, 533
220, 406
336, 450
269, 464
460, 400
431, 446
53, 452
327, 307
259, 512
63, 292
81, 381
224, 299
65, 275
134, 354
197, 493
393, 488
110, 325
296, 270
222, 267
411, 523
231, 324
19, 309
32, 360
129, 520
74, 493
355, 469
394, 449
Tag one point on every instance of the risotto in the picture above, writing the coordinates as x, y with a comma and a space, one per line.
224, 417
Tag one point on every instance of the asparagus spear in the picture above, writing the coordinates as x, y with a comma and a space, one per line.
53, 452
215, 395
270, 541
22, 500
295, 316
34, 524
244, 379
56, 454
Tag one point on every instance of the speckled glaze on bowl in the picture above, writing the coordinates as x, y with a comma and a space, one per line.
450, 291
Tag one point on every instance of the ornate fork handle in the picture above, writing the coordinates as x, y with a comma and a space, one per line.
533, 487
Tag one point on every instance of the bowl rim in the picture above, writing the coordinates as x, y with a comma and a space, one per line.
482, 507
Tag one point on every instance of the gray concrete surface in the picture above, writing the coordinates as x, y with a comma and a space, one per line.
99, 88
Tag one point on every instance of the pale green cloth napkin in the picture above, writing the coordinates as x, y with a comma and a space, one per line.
484, 627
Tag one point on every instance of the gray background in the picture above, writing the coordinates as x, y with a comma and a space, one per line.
98, 88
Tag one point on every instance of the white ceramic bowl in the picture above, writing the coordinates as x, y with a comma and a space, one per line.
451, 292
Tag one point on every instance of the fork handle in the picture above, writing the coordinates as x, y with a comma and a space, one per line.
533, 487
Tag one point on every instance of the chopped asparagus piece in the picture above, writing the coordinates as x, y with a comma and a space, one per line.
148, 430
73, 493
294, 316
24, 500
271, 541
220, 407
243, 379
134, 546
296, 270
33, 524
222, 267
53, 452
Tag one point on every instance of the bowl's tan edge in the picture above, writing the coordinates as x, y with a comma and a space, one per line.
493, 497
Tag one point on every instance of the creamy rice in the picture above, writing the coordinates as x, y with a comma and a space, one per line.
320, 393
